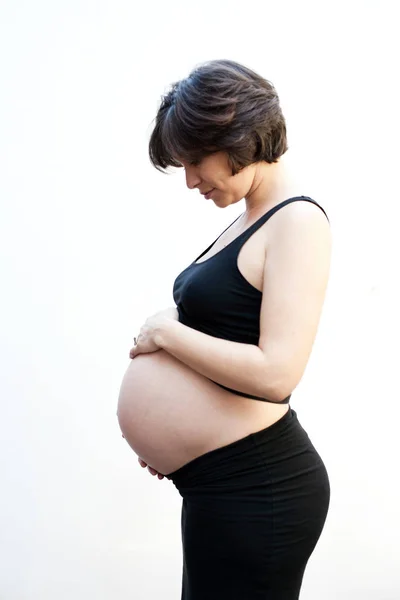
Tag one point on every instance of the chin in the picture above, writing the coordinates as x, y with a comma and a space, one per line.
220, 205
223, 204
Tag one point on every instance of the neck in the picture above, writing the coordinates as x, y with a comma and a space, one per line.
272, 184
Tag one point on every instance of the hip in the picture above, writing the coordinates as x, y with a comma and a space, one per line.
277, 465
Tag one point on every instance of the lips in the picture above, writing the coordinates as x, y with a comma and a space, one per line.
207, 195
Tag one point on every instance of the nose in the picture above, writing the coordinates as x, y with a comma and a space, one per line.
192, 177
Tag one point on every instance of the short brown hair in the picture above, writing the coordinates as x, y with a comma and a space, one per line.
221, 106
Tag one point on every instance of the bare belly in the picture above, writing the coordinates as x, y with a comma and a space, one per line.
170, 414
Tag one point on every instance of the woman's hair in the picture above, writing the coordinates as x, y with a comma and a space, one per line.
220, 106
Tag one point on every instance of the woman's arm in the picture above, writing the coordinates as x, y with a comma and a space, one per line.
238, 366
295, 279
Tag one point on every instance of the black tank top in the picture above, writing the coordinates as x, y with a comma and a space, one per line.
214, 297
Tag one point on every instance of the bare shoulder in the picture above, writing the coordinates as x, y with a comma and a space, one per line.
300, 211
296, 220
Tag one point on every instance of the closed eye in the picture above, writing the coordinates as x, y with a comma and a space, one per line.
194, 162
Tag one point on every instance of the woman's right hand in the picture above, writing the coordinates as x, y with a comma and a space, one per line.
150, 469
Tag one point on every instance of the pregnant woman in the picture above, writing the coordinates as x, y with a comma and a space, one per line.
205, 401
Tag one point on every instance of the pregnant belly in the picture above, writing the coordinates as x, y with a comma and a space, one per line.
170, 414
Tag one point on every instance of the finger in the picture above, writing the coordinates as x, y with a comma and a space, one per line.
142, 463
153, 471
160, 476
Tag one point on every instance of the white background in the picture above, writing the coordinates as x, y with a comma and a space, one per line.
92, 237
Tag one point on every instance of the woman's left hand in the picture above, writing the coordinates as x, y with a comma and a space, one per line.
146, 339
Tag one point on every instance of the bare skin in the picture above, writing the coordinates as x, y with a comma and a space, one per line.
169, 413
150, 469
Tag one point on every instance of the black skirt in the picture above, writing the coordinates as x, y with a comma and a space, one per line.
252, 513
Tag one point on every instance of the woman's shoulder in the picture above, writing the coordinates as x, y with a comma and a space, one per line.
299, 220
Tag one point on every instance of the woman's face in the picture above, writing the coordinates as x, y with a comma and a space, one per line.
213, 173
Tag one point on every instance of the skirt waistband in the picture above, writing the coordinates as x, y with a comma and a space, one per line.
252, 453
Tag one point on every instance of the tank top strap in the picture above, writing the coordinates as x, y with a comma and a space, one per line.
243, 237
237, 243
